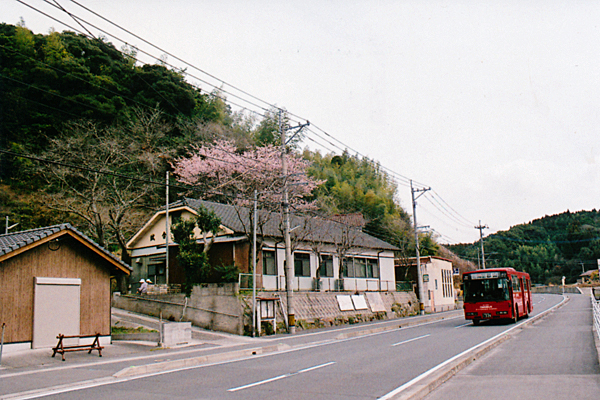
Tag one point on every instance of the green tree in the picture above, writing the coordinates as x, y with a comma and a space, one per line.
352, 185
190, 256
193, 256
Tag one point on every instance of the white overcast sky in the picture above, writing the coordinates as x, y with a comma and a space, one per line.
495, 105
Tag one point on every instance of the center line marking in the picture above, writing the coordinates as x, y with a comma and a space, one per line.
460, 326
410, 340
280, 377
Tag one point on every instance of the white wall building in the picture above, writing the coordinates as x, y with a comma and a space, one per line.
317, 247
438, 282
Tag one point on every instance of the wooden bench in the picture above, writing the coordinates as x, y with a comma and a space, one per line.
62, 349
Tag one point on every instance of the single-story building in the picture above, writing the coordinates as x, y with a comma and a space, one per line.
320, 246
588, 276
438, 281
54, 280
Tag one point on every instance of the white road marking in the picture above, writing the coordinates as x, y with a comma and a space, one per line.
279, 377
460, 326
411, 340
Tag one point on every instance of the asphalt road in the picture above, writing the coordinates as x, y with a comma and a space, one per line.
320, 365
552, 359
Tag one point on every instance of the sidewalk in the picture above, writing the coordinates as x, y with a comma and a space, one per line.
122, 350
554, 358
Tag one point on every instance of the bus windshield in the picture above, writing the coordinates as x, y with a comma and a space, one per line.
486, 290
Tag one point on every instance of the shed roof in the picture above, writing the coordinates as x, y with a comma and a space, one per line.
12, 244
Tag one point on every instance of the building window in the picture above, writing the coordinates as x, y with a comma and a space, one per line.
268, 260
301, 264
157, 269
326, 267
360, 267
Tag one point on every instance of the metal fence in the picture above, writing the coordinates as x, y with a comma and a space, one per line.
596, 307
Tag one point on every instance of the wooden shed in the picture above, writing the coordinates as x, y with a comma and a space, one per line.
54, 280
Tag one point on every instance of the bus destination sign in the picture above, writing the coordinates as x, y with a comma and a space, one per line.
485, 275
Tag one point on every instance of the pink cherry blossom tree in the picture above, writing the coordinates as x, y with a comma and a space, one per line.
227, 174
223, 173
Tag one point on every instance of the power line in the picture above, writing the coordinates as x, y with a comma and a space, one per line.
399, 178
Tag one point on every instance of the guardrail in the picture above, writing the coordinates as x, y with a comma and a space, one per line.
596, 309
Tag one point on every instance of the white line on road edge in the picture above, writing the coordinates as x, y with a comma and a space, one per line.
280, 377
411, 340
425, 374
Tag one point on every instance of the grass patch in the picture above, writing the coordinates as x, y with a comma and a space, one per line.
117, 330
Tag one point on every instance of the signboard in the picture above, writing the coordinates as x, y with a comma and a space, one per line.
455, 271
425, 277
359, 302
345, 302
375, 301
485, 275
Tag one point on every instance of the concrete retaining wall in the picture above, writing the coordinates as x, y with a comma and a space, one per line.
555, 289
222, 308
216, 307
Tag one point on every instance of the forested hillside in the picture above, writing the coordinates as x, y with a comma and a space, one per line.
110, 128
548, 248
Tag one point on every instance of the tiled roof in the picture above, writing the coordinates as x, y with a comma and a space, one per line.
14, 241
310, 229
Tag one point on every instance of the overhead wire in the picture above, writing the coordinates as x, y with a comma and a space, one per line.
399, 178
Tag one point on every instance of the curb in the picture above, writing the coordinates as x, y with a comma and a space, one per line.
402, 324
195, 361
436, 378
142, 336
218, 357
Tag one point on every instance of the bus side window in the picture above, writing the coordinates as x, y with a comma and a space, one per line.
515, 284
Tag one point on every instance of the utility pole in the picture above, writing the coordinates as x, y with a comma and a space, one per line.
419, 272
9, 227
289, 271
481, 228
289, 268
254, 224
167, 232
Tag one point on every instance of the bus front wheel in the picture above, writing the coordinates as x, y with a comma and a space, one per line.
475, 322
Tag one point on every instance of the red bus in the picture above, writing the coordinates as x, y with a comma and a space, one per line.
499, 293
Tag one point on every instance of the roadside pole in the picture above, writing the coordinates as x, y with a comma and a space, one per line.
289, 262
481, 228
419, 272
289, 271
254, 224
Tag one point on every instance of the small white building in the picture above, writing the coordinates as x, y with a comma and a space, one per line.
438, 281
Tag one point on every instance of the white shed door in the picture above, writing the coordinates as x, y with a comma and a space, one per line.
56, 309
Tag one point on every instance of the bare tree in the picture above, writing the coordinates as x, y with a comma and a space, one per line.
104, 175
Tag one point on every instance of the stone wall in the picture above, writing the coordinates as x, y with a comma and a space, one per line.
323, 307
